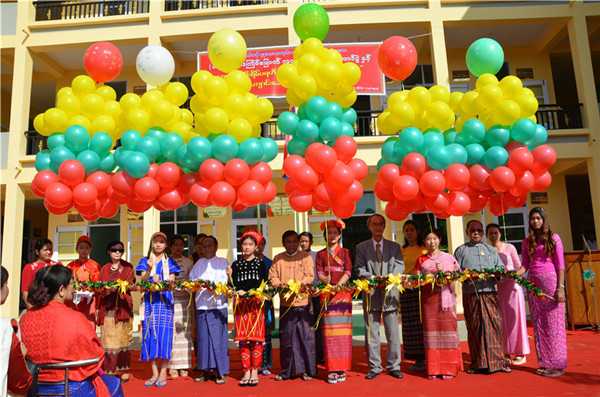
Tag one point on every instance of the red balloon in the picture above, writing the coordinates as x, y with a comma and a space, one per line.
520, 160
59, 195
289, 187
457, 177
261, 172
90, 217
238, 206
459, 203
355, 192
168, 174
542, 182
324, 159
42, 180
123, 183
340, 177
200, 195
544, 157
359, 168
306, 178
71, 172
502, 179
222, 194
405, 187
478, 201
169, 198
432, 183
108, 208
344, 209
146, 189
100, 180
393, 212
103, 61
397, 57
513, 145
419, 204
236, 172
186, 182
211, 171
292, 163
497, 205
139, 206
382, 192
152, 170
523, 184
346, 148
442, 215
318, 207
321, 195
437, 203
414, 164
403, 206
479, 177
85, 194
301, 200
269, 194
118, 197
310, 150
90, 209
250, 193
57, 210
388, 174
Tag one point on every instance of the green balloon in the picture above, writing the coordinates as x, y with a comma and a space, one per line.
297, 146
42, 160
347, 129
156, 132
55, 140
335, 111
485, 56
475, 153
251, 151
311, 20
458, 153
540, 137
121, 155
287, 122
495, 156
137, 164
330, 129
90, 160
498, 135
270, 149
439, 157
411, 139
60, 154
473, 131
430, 139
383, 162
523, 130
101, 143
307, 131
130, 138
212, 137
149, 146
302, 111
186, 160
170, 144
387, 151
77, 138
317, 109
349, 116
224, 148
392, 138
199, 148
107, 163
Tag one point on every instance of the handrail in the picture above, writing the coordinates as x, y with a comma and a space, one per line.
60, 10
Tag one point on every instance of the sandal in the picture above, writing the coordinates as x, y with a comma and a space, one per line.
222, 380
447, 377
253, 382
306, 377
183, 372
150, 382
507, 360
553, 373
332, 378
471, 371
204, 377
432, 377
279, 378
506, 370
540, 371
161, 383
264, 372
173, 373
341, 377
125, 378
244, 382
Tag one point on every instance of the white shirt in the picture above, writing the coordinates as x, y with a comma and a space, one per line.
380, 245
212, 269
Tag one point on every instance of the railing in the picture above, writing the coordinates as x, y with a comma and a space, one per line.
58, 10
560, 117
35, 142
176, 5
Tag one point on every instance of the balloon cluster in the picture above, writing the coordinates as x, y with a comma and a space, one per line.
317, 121
318, 71
327, 178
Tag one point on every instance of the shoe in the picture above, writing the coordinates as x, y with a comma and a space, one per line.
397, 374
505, 370
519, 360
204, 377
183, 372
264, 372
447, 377
332, 379
553, 373
253, 382
541, 371
150, 382
173, 373
279, 378
371, 375
161, 383
432, 377
341, 378
222, 380
306, 377
471, 371
125, 378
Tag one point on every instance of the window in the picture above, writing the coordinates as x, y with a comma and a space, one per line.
184, 221
120, 87
65, 240
425, 221
187, 81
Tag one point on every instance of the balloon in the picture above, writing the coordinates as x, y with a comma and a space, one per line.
523, 184
344, 210
508, 112
71, 172
168, 175
108, 208
149, 146
411, 139
495, 156
458, 153
485, 56
138, 206
76, 138
227, 50
287, 122
261, 172
520, 160
57, 210
270, 149
55, 140
397, 57
479, 177
544, 157
540, 137
43, 161
42, 180
311, 20
236, 172
307, 131
83, 85
122, 183
200, 195
388, 174
330, 129
170, 198
542, 181
103, 61
405, 187
101, 143
130, 138
85, 194
222, 194
459, 203
155, 65
497, 205
430, 139
345, 148
439, 157
199, 148
292, 163
100, 180
137, 164
457, 177
437, 203
146, 189
420, 98
176, 93
317, 109
340, 177
475, 153
90, 161
251, 193
515, 201
498, 135
354, 192
523, 130
414, 164
432, 183
324, 159
297, 146
59, 195
473, 130
170, 144
224, 148
502, 179
301, 200
359, 168
60, 155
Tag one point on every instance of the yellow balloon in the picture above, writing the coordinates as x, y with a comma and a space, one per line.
458, 124
215, 90
421, 122
533, 118
312, 45
297, 53
454, 101
82, 121
39, 126
305, 87
261, 111
349, 99
112, 109
419, 98
526, 91
150, 97
287, 74
529, 105
240, 129
395, 98
162, 111
328, 75
256, 130
438, 113
55, 120
216, 120
449, 123
511, 86
83, 85
181, 128
402, 114
331, 55
309, 64
227, 50
199, 127
176, 93
139, 120
70, 104
104, 123
468, 105
236, 106
198, 79
130, 102
92, 106
238, 82
106, 92
490, 96
199, 104
64, 91
439, 93
486, 79
508, 112
293, 99
187, 116
350, 73
384, 125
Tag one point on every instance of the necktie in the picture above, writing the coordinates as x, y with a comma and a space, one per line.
379, 256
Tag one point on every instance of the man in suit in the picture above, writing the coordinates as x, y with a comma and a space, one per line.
380, 257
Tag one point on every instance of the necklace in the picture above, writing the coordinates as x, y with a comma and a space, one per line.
436, 257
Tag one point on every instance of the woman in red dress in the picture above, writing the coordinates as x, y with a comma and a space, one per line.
85, 269
44, 251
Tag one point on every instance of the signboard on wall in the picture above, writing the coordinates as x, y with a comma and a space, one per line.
261, 66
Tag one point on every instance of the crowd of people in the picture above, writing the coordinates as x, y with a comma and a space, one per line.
311, 328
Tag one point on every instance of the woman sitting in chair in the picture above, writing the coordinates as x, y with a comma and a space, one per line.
55, 333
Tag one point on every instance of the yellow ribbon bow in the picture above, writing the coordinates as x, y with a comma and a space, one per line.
155, 288
187, 285
362, 285
259, 292
394, 281
221, 289
327, 290
465, 275
122, 286
294, 289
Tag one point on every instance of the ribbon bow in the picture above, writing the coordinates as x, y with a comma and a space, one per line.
327, 290
259, 292
221, 289
122, 286
293, 289
394, 281
362, 285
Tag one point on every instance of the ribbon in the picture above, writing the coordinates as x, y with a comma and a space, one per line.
122, 286
362, 285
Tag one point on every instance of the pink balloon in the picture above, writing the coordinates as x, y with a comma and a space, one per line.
497, 205
103, 61
502, 179
457, 177
405, 187
346, 148
359, 167
321, 195
432, 183
186, 182
289, 187
89, 210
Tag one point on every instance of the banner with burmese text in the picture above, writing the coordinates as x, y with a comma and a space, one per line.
261, 66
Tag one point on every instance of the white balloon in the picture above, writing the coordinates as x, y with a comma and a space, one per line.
155, 65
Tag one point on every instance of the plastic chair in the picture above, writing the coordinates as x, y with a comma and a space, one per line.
65, 366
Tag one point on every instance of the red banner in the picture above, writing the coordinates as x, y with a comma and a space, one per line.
261, 66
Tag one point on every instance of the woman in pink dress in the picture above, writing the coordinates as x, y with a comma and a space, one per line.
511, 300
542, 255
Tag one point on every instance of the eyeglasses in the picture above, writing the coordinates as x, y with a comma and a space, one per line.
121, 250
476, 230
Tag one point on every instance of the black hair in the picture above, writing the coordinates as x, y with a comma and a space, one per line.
373, 216
198, 237
213, 238
176, 237
40, 244
434, 231
471, 221
420, 242
113, 243
47, 283
492, 225
288, 234
325, 231
306, 234
4, 277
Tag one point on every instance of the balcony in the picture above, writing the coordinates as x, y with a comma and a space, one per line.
177, 5
60, 10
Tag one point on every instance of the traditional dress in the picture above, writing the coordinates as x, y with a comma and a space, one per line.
14, 375
56, 333
482, 311
412, 328
336, 320
211, 317
512, 305
296, 335
547, 315
157, 329
29, 271
267, 358
440, 326
115, 318
316, 304
88, 270
181, 356
249, 313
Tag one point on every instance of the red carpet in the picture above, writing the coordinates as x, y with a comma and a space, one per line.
582, 378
